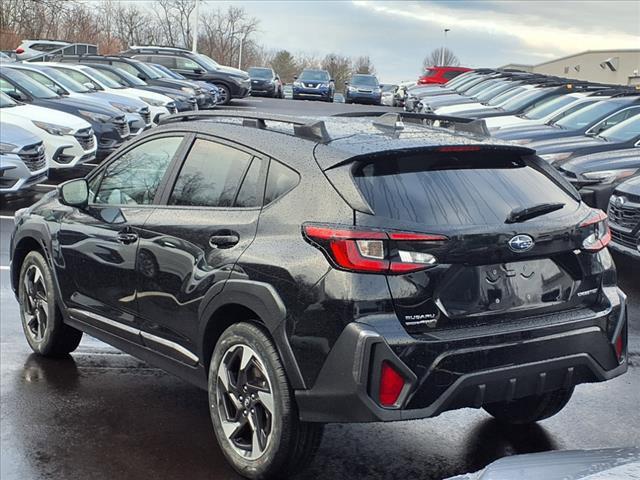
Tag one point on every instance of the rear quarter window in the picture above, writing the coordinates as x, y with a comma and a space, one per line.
469, 188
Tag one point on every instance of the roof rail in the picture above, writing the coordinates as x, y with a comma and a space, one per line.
157, 47
314, 130
78, 49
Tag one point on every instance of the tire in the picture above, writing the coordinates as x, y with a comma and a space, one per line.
530, 409
224, 95
285, 444
41, 319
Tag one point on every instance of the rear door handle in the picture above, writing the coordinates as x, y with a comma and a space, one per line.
224, 241
127, 237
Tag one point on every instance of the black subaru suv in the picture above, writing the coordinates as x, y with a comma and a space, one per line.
231, 82
306, 271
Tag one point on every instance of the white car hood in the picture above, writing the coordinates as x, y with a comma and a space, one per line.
23, 114
458, 108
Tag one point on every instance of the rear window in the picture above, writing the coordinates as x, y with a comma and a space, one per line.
460, 189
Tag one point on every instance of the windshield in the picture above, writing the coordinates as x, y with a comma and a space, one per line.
149, 72
33, 88
129, 79
505, 96
207, 61
481, 87
624, 131
66, 81
548, 107
314, 76
460, 79
261, 73
467, 86
388, 88
103, 79
6, 101
364, 80
586, 116
165, 72
524, 99
494, 91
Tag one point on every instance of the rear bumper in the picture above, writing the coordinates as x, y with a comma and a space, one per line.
451, 371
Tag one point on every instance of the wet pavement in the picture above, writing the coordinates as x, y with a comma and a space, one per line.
101, 414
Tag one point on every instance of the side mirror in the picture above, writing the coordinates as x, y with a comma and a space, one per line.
142, 76
89, 85
332, 80
295, 77
198, 71
17, 95
62, 92
74, 193
346, 84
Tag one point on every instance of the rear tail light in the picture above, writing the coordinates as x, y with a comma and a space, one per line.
596, 233
391, 385
619, 346
374, 251
19, 50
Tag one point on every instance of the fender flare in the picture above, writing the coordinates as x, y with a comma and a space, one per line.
263, 299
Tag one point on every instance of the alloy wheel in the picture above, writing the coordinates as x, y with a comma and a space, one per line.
245, 401
36, 303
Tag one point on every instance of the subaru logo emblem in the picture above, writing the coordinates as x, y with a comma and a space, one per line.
521, 243
619, 201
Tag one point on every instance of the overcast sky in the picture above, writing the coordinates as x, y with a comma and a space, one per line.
398, 35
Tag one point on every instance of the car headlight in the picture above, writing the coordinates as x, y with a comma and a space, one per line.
610, 176
152, 101
52, 128
351, 89
297, 84
555, 157
122, 107
7, 147
188, 90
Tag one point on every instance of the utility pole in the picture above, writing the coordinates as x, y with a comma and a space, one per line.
240, 54
443, 47
195, 27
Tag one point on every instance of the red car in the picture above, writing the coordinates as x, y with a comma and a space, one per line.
440, 74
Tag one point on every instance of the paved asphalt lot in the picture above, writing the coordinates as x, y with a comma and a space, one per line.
101, 414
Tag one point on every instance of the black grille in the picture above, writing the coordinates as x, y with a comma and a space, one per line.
122, 127
85, 138
626, 216
622, 238
146, 115
33, 156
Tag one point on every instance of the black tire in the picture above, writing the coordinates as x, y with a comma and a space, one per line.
224, 95
41, 319
290, 443
530, 409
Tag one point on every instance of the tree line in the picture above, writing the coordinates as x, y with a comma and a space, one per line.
114, 26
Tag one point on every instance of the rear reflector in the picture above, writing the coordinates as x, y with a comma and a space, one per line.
619, 346
391, 384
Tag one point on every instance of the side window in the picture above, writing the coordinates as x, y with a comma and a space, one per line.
169, 62
280, 180
43, 80
615, 119
210, 176
451, 74
186, 64
127, 68
134, 178
80, 78
250, 193
7, 87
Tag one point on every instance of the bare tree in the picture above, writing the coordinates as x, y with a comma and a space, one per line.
224, 32
434, 58
174, 20
363, 65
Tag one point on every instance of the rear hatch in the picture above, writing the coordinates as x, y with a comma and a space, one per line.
487, 256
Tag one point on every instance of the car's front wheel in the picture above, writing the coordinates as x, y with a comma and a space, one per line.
253, 408
530, 409
224, 94
42, 322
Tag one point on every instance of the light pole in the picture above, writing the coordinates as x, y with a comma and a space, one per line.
443, 47
195, 28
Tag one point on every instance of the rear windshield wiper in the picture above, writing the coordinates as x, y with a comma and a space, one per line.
521, 214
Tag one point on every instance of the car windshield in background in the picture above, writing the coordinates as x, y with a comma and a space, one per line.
364, 80
546, 108
208, 61
440, 189
6, 101
34, 88
66, 81
494, 91
586, 116
149, 72
103, 79
521, 100
503, 97
624, 131
429, 72
131, 79
263, 73
388, 88
314, 76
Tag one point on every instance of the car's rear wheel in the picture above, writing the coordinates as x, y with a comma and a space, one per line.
224, 94
42, 322
253, 409
530, 409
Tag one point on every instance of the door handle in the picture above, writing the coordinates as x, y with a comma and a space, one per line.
224, 241
127, 237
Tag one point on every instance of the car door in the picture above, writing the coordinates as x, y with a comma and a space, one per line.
208, 217
97, 245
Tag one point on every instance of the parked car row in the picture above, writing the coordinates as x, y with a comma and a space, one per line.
589, 132
80, 108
